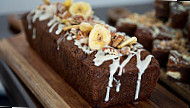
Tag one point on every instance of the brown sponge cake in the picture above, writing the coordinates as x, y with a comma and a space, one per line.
108, 76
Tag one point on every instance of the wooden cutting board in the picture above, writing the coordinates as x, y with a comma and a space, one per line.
180, 89
51, 90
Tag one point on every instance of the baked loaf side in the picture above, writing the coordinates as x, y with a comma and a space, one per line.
105, 67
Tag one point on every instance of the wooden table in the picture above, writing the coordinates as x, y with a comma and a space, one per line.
20, 95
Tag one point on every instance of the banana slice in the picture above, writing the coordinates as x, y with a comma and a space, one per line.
81, 8
68, 3
46, 2
85, 27
99, 37
128, 42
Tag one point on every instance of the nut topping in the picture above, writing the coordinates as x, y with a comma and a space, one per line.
110, 51
128, 42
118, 40
70, 27
125, 50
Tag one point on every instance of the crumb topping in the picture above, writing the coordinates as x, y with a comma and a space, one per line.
148, 19
173, 44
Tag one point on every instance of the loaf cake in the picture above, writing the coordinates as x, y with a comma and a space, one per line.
178, 66
104, 66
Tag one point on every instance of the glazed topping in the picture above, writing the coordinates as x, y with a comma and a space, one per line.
148, 19
91, 34
173, 44
154, 25
177, 57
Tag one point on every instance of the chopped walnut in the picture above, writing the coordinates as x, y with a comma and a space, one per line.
81, 34
77, 19
163, 44
113, 35
125, 50
110, 51
66, 15
118, 40
178, 34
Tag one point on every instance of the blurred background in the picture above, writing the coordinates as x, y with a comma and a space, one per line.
15, 6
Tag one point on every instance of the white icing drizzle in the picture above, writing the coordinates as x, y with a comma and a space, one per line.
59, 29
136, 46
51, 22
173, 59
113, 69
142, 66
49, 12
69, 37
36, 15
124, 64
85, 48
107, 94
45, 12
156, 31
34, 33
29, 19
100, 57
52, 27
61, 38
118, 84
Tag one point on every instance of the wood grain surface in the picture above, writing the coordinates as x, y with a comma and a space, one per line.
52, 91
178, 88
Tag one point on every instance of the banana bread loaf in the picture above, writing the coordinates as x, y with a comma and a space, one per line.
105, 67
